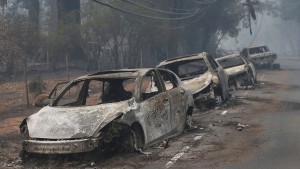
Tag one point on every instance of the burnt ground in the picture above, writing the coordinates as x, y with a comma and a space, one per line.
215, 141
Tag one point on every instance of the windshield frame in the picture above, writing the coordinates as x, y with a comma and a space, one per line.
174, 67
85, 85
243, 62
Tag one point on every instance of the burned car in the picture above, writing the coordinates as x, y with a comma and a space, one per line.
203, 75
44, 99
260, 56
241, 72
135, 108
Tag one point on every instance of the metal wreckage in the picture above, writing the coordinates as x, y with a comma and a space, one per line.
261, 57
241, 72
130, 109
203, 75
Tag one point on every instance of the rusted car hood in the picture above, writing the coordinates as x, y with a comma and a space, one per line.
235, 70
73, 122
262, 55
199, 83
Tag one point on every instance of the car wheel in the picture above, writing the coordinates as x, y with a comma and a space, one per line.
133, 140
188, 122
276, 66
251, 80
189, 119
24, 155
219, 96
24, 132
138, 137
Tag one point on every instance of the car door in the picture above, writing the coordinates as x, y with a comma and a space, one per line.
223, 77
177, 103
252, 67
155, 107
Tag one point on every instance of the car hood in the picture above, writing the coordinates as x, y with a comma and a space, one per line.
262, 54
199, 83
73, 122
235, 70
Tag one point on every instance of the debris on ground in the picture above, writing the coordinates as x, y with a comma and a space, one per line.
250, 88
198, 138
142, 152
240, 126
11, 164
224, 112
163, 145
166, 143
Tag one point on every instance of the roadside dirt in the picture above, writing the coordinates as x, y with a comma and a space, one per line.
219, 140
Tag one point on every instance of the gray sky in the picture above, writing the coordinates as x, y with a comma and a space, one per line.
283, 37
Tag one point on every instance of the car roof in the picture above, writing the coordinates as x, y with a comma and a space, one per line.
228, 56
256, 46
183, 58
116, 74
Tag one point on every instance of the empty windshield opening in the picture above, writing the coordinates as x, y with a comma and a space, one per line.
188, 69
257, 50
231, 62
96, 91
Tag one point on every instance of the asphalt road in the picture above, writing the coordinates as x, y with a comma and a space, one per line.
281, 138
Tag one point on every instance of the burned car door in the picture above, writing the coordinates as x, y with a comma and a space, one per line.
155, 107
252, 67
177, 103
221, 74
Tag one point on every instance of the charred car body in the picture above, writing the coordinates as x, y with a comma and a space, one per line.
241, 72
135, 108
260, 56
202, 74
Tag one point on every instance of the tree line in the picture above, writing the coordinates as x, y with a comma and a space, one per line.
98, 37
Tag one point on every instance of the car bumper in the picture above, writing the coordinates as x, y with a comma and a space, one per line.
60, 147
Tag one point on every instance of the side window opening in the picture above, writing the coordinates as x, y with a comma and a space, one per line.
96, 91
169, 80
187, 69
117, 91
94, 95
58, 87
149, 86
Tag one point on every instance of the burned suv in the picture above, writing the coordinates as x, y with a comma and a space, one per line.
132, 108
260, 56
202, 74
